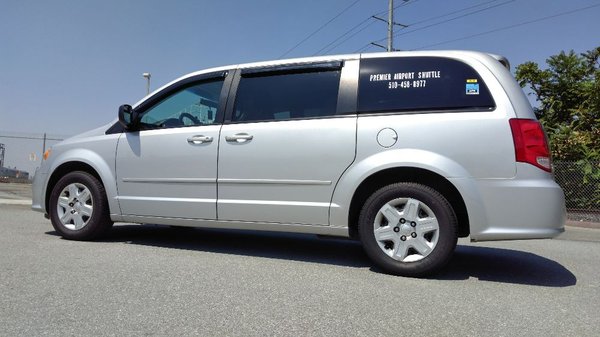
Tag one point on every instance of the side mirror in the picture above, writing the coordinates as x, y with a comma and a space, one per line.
128, 117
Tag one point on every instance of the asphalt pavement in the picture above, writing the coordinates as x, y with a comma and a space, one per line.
157, 280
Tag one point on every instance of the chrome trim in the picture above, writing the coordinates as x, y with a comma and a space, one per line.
192, 200
274, 181
275, 202
200, 139
239, 137
171, 180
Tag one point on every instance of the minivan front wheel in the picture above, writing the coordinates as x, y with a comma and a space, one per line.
408, 229
78, 207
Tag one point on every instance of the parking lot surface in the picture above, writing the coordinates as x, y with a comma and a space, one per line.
157, 280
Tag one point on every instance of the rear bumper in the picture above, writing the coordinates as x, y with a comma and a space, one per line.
512, 209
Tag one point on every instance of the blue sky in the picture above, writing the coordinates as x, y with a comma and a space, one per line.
65, 66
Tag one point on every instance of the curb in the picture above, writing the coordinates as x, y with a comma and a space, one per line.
15, 202
583, 224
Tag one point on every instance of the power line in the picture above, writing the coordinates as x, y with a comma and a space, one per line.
319, 29
346, 33
327, 48
451, 19
366, 46
405, 3
450, 13
31, 138
348, 38
511, 26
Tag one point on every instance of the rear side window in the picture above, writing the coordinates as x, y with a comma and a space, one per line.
277, 96
420, 84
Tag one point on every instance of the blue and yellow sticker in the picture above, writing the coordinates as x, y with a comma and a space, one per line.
472, 87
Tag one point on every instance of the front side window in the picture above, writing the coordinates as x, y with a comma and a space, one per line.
268, 97
193, 105
406, 84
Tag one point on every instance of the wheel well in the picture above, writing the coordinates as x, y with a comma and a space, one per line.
408, 174
67, 168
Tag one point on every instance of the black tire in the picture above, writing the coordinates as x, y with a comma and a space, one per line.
95, 222
430, 202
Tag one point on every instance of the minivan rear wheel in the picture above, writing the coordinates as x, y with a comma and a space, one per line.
78, 207
408, 229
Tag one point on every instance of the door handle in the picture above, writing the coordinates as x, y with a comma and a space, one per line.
200, 139
239, 138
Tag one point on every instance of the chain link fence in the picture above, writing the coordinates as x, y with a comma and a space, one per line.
579, 180
21, 153
581, 183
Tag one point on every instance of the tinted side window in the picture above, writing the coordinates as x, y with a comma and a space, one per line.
265, 97
196, 104
420, 83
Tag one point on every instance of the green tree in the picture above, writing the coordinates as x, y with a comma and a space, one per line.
568, 96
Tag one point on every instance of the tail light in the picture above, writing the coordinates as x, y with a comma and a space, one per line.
531, 144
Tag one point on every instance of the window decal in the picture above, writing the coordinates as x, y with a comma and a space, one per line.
472, 87
404, 84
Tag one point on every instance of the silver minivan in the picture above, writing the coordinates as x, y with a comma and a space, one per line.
404, 151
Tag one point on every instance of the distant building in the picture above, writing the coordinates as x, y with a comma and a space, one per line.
6, 172
10, 173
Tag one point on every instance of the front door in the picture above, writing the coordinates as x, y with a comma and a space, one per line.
169, 167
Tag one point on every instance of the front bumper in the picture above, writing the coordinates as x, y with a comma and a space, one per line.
38, 192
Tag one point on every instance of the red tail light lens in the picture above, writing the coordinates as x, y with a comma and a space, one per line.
531, 144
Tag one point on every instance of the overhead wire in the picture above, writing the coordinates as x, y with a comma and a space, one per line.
510, 26
366, 46
451, 13
319, 29
333, 44
405, 3
33, 137
327, 50
404, 32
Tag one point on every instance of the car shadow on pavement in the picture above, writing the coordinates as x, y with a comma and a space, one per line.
483, 263
506, 266
286, 246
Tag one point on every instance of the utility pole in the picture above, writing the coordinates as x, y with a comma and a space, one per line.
390, 27
44, 146
390, 41
147, 77
2, 149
